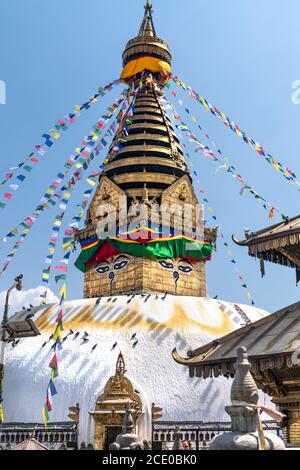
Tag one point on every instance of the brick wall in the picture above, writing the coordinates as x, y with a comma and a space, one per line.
145, 274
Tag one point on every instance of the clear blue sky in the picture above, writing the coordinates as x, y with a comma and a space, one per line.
241, 55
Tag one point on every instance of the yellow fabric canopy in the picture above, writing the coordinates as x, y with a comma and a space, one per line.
145, 63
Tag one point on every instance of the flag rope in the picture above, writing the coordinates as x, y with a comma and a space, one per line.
31, 160
219, 157
84, 156
271, 160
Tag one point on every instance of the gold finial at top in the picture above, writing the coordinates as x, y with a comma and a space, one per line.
120, 365
147, 27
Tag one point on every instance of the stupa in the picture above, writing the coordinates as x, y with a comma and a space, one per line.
143, 295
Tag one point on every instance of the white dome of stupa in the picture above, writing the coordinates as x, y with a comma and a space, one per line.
145, 329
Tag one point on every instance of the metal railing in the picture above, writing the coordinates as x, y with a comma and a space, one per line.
55, 436
198, 433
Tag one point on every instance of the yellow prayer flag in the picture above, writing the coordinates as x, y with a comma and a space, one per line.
63, 291
57, 334
1, 413
68, 245
91, 182
55, 134
44, 417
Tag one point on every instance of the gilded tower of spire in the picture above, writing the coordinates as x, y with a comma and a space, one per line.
147, 167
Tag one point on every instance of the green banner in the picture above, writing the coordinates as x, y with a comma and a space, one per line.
172, 248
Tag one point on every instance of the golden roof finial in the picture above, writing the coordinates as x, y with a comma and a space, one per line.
147, 27
120, 365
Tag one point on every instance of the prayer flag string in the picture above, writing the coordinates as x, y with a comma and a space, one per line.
217, 157
68, 240
57, 347
68, 245
68, 248
26, 166
225, 242
57, 339
279, 166
84, 156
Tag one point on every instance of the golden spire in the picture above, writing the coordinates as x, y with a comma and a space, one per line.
120, 365
147, 27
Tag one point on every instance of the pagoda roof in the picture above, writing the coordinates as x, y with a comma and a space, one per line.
271, 343
30, 444
279, 243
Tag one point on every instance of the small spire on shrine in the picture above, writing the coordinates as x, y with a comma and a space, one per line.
120, 366
147, 27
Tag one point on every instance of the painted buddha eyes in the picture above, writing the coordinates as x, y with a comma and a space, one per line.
185, 269
166, 264
117, 264
102, 268
121, 264
183, 265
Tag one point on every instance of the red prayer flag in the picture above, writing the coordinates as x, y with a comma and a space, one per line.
48, 404
53, 363
62, 268
29, 221
59, 316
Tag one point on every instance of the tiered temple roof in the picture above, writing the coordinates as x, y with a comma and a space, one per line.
279, 243
271, 343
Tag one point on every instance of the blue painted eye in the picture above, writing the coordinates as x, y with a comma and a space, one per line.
185, 269
166, 264
102, 269
121, 264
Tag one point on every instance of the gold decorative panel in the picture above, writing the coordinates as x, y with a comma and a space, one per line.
111, 404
